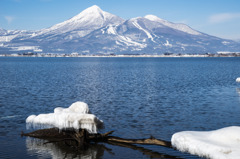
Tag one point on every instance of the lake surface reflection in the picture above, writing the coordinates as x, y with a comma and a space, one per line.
135, 97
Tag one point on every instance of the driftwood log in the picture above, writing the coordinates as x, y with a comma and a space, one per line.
80, 140
82, 137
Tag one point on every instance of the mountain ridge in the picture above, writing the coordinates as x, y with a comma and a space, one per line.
94, 31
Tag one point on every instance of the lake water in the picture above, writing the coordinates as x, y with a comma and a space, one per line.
135, 97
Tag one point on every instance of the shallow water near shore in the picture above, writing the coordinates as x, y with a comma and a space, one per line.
135, 97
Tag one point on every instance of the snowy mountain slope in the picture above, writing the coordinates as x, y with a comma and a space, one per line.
94, 31
177, 26
141, 35
144, 35
3, 32
8, 35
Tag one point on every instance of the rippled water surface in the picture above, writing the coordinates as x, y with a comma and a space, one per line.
135, 97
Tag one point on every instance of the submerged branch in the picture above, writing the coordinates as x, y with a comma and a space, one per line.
149, 141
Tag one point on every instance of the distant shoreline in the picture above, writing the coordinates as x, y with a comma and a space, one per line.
162, 55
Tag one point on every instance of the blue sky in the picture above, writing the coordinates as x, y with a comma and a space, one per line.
215, 17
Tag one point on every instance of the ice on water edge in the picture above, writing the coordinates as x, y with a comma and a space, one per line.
218, 144
238, 79
76, 116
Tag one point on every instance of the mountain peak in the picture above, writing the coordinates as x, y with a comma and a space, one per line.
153, 18
93, 9
91, 12
95, 16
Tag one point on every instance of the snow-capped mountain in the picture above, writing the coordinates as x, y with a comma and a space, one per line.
88, 20
94, 31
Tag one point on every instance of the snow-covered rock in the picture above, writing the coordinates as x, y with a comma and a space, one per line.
76, 116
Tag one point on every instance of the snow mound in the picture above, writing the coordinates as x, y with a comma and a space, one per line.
76, 116
218, 144
238, 79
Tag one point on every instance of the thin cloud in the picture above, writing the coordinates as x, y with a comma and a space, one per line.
9, 19
223, 17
